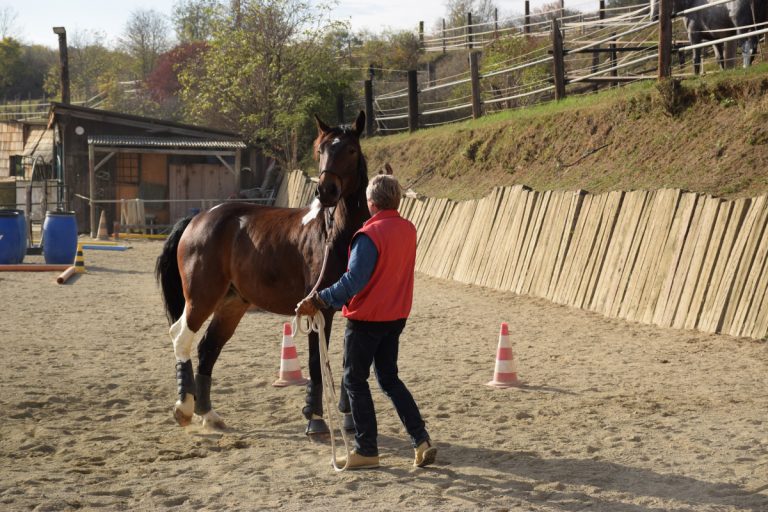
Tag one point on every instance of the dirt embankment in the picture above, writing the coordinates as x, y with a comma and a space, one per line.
708, 135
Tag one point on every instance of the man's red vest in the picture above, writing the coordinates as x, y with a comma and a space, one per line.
389, 293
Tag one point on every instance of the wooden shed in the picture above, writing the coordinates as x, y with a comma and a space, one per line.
105, 158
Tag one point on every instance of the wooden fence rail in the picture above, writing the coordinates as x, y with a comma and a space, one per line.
665, 257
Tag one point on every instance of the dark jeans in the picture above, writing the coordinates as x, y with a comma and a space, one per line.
377, 343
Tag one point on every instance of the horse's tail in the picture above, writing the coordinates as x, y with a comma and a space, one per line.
167, 273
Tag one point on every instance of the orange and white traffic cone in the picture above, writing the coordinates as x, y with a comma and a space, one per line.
102, 233
290, 371
505, 373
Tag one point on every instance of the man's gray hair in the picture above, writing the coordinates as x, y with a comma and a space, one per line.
384, 191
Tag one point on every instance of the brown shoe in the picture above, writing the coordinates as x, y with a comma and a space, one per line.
357, 461
425, 454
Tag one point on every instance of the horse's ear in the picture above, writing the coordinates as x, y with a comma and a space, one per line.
360, 123
386, 170
321, 126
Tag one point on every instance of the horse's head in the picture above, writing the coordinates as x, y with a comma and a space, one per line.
340, 160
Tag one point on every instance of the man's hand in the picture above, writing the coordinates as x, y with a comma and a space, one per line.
310, 305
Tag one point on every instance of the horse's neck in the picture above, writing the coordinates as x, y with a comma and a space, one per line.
349, 217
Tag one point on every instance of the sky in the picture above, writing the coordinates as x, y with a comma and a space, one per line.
35, 18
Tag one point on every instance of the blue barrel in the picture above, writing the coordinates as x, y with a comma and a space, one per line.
60, 238
11, 245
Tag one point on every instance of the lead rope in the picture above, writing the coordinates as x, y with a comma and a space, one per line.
305, 325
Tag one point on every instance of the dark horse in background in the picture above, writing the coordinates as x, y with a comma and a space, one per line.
719, 21
237, 256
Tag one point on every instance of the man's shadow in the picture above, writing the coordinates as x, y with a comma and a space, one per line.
524, 476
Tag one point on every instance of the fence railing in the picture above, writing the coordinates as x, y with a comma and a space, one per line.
575, 54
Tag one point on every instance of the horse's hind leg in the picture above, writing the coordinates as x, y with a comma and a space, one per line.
220, 330
183, 338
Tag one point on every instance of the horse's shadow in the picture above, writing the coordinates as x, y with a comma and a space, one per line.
516, 470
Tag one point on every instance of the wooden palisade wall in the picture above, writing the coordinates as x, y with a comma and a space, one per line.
664, 257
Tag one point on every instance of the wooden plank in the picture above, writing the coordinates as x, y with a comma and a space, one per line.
544, 244
621, 258
691, 263
466, 211
562, 233
755, 291
611, 215
569, 227
500, 235
437, 250
433, 216
721, 242
760, 331
661, 215
586, 246
560, 236
607, 277
520, 223
717, 305
744, 280
566, 271
654, 307
603, 222
484, 245
756, 314
531, 240
469, 249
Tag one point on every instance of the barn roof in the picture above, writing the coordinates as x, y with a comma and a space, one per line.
140, 141
148, 124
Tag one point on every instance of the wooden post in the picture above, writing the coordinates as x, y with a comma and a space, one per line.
614, 60
92, 188
238, 171
596, 54
421, 34
369, 108
469, 30
413, 101
340, 108
64, 60
431, 75
443, 34
558, 63
527, 26
665, 39
495, 23
562, 9
474, 73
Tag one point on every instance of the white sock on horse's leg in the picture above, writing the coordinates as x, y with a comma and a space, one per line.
183, 338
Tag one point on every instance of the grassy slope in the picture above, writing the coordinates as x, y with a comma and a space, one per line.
621, 139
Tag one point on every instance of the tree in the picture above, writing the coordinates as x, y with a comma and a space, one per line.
144, 39
456, 11
265, 73
194, 20
11, 64
8, 17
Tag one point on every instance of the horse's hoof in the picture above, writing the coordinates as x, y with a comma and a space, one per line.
183, 411
213, 421
317, 427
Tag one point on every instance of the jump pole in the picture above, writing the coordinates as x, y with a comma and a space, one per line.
64, 276
33, 268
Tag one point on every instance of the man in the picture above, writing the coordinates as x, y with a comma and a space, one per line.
377, 293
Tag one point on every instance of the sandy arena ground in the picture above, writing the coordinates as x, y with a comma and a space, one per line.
614, 416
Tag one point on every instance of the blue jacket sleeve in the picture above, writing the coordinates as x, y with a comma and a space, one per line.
362, 261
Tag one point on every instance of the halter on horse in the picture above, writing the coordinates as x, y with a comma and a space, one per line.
235, 256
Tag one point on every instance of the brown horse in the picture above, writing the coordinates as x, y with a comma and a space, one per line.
236, 256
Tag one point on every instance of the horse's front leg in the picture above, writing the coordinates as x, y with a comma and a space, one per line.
313, 409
